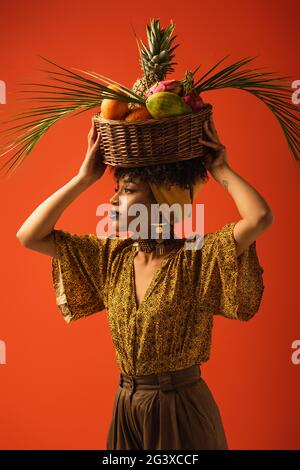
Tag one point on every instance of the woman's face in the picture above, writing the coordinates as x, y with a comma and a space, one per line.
133, 191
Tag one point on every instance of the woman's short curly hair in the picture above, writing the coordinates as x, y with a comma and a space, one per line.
182, 173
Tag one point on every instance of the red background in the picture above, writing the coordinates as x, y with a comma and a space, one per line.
57, 388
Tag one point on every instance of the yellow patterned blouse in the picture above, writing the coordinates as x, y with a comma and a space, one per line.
172, 327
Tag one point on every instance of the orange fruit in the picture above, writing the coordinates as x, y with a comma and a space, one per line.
114, 109
140, 113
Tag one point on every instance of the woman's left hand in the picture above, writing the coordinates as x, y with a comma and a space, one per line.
218, 155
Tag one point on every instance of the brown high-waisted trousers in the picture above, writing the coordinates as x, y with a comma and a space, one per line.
172, 410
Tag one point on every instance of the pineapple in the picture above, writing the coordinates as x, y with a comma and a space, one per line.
155, 60
188, 82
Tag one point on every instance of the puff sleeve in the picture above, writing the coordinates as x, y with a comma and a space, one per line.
228, 284
79, 273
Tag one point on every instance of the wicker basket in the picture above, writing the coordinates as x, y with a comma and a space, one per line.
152, 142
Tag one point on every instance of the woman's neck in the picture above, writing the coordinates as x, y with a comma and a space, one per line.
153, 248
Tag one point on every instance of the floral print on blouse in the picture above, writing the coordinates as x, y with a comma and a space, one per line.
172, 327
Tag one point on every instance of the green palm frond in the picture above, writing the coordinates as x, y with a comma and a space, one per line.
72, 93
274, 92
77, 94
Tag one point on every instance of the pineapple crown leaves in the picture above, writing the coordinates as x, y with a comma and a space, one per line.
159, 53
159, 39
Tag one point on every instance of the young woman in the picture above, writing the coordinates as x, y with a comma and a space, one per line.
160, 306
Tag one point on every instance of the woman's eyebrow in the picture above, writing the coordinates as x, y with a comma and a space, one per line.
129, 180
126, 180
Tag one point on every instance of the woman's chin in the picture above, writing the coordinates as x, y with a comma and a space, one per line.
114, 222
115, 225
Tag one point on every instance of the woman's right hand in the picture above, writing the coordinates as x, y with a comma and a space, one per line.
92, 167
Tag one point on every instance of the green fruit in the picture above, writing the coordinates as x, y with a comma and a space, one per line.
166, 104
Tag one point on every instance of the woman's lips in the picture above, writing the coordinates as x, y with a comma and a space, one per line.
114, 214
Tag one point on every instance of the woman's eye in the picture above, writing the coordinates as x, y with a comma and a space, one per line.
126, 189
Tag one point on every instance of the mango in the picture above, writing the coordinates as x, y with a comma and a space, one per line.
166, 104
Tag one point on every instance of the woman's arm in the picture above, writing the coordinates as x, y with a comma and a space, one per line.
36, 233
256, 215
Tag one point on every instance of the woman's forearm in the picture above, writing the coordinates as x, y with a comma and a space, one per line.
251, 205
43, 219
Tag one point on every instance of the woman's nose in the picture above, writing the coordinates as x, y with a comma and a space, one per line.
114, 199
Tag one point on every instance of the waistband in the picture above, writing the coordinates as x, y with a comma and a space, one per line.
165, 381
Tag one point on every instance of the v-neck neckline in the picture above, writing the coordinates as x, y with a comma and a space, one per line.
152, 282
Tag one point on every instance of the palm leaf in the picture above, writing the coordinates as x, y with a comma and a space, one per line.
75, 93
72, 94
274, 92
